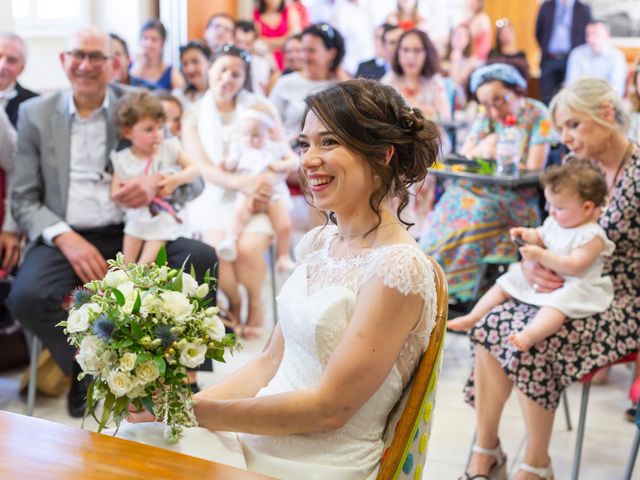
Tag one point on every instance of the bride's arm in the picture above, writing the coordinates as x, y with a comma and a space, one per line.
379, 327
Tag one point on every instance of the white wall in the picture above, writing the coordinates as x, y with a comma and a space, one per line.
43, 72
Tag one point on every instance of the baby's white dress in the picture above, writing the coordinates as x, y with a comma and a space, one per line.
315, 306
580, 296
254, 161
139, 222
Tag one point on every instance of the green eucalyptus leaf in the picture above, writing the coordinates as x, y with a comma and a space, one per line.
161, 258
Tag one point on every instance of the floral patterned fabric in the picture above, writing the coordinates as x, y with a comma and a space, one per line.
472, 221
581, 345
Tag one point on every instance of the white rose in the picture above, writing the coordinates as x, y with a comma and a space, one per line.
127, 361
115, 278
137, 390
120, 383
130, 293
150, 303
215, 328
78, 320
189, 285
202, 290
192, 355
88, 354
147, 372
176, 305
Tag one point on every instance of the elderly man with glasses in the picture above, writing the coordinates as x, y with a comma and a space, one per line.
61, 197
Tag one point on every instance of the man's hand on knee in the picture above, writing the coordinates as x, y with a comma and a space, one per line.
85, 259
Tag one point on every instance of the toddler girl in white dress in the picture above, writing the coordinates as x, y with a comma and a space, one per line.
257, 151
570, 243
140, 118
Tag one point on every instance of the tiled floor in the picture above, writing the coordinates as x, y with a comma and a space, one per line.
607, 441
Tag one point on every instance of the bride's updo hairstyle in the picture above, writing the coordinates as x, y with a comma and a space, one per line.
590, 96
367, 118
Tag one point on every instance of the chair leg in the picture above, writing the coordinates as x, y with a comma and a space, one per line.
33, 370
631, 462
272, 269
480, 278
575, 469
567, 413
473, 441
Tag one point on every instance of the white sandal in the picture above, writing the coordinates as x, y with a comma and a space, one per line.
545, 473
498, 469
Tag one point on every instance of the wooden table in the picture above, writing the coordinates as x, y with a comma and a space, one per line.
33, 449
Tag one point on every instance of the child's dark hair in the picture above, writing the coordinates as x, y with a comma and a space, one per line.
136, 106
579, 175
369, 119
167, 96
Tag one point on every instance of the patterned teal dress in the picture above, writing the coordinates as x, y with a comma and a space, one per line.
470, 222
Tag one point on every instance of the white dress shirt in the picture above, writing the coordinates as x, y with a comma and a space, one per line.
89, 201
7, 94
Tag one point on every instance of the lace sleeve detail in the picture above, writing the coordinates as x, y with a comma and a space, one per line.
312, 241
406, 269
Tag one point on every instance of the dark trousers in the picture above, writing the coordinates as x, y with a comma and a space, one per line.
45, 278
552, 73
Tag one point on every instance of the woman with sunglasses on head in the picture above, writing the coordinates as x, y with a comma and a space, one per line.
150, 65
195, 59
322, 52
470, 221
207, 131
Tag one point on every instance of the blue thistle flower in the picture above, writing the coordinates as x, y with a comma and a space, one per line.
103, 328
80, 296
163, 332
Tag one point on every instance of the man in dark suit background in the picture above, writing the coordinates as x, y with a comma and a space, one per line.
12, 61
560, 27
386, 43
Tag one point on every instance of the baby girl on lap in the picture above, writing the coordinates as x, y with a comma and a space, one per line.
570, 243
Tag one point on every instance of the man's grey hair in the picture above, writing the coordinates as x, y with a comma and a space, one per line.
14, 37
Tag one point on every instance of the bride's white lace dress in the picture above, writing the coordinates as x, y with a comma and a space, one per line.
315, 305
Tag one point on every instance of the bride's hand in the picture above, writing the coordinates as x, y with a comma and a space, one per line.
139, 416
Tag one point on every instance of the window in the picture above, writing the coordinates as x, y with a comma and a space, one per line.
50, 18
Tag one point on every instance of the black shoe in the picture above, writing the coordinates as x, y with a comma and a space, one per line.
77, 396
630, 414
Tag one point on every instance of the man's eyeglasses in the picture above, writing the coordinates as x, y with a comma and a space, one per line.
96, 59
502, 22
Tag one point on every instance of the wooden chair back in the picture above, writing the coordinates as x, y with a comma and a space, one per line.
409, 423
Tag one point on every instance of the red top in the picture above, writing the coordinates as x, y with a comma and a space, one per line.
268, 31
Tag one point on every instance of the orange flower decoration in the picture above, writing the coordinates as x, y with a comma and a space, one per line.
545, 127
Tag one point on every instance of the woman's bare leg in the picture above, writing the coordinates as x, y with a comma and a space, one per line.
539, 424
131, 247
251, 269
492, 391
227, 281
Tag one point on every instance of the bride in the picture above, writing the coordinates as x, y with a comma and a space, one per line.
356, 314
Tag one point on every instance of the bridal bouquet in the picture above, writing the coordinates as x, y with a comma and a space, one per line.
137, 331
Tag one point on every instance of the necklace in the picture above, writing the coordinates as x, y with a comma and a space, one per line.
625, 159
